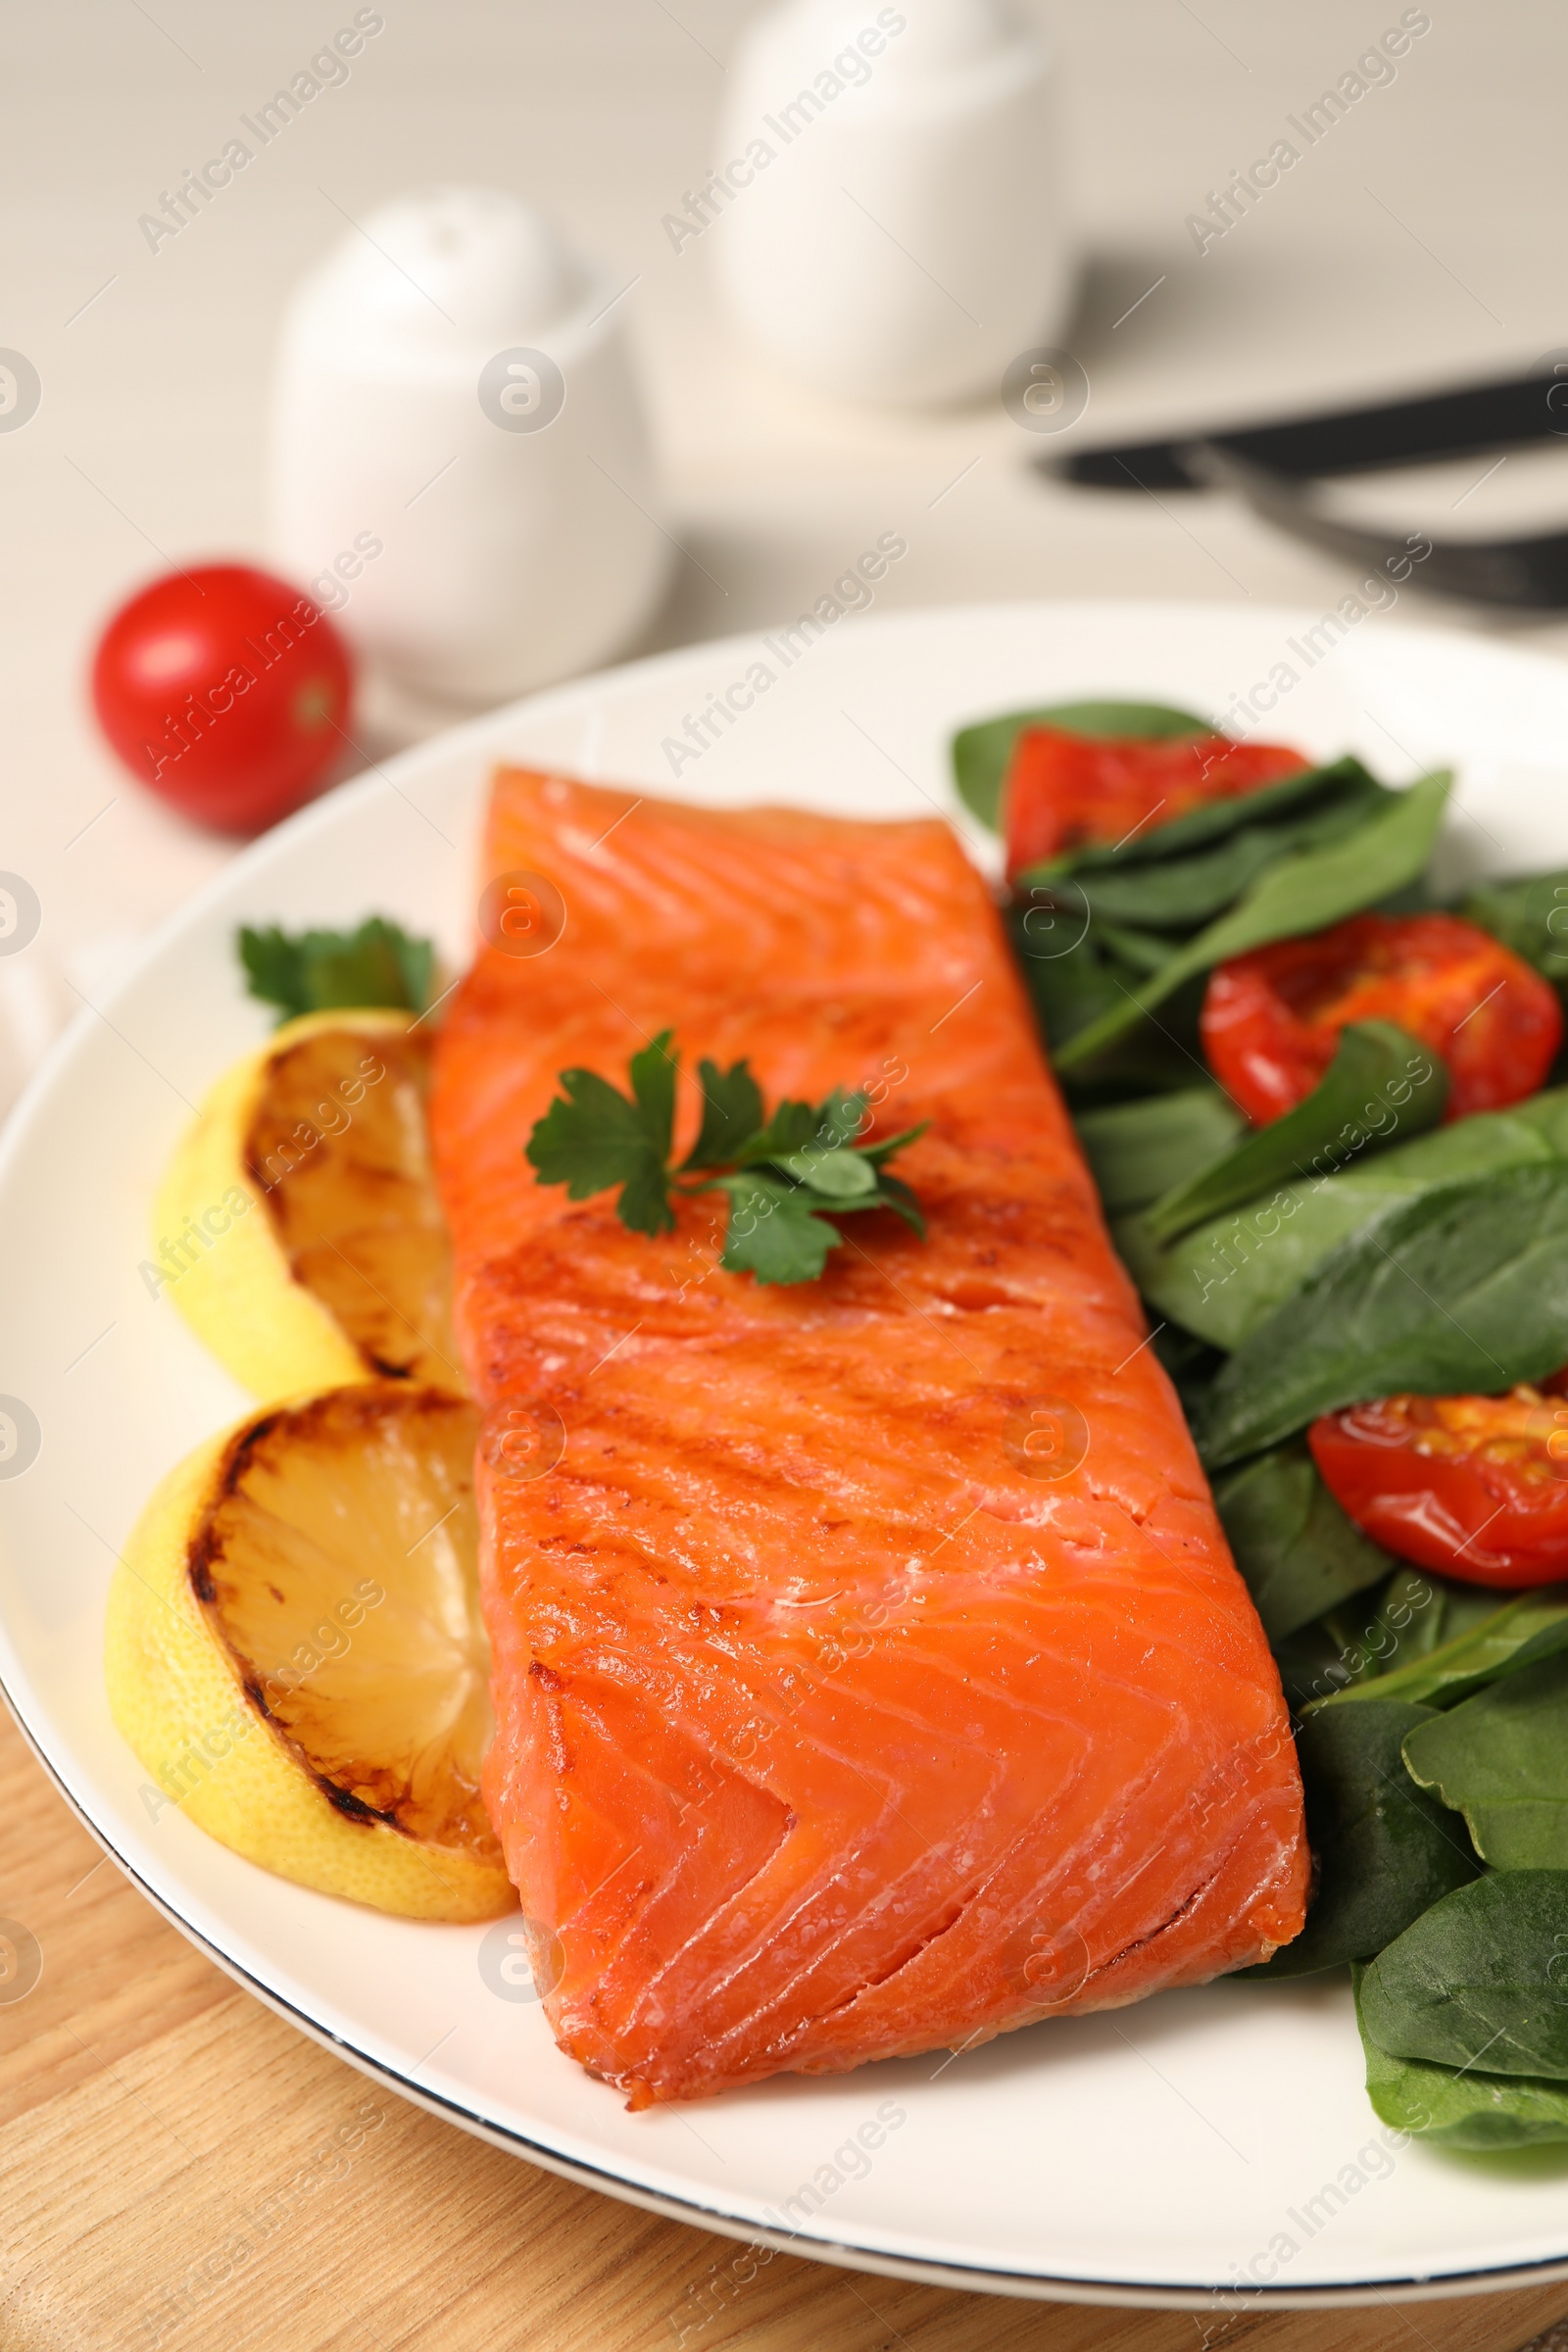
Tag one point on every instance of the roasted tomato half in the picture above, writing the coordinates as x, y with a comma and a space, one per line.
1271, 1020
1472, 1486
1062, 790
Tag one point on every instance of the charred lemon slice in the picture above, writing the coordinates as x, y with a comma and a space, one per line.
298, 1228
295, 1651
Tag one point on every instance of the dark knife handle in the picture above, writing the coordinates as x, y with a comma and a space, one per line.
1401, 432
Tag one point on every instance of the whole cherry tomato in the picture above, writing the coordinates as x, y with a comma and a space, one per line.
1271, 1020
226, 691
1063, 790
1473, 1487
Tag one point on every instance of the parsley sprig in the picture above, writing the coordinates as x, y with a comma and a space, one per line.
785, 1175
319, 971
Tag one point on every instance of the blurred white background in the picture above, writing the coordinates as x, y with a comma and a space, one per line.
1417, 244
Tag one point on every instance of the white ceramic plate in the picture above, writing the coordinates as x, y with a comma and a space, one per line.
1217, 2139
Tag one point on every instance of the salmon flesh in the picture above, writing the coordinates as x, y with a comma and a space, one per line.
870, 1672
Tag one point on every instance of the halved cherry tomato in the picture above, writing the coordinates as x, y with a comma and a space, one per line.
1271, 1020
1064, 790
1472, 1486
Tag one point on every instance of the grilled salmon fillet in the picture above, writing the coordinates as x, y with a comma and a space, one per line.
870, 1672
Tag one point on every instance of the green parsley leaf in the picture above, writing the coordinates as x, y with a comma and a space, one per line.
644, 1204
880, 1154
838, 1175
784, 1175
842, 1117
732, 1113
321, 971
597, 1138
274, 970
653, 1083
772, 1231
793, 1126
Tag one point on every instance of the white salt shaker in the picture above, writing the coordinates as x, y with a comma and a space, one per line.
461, 470
887, 216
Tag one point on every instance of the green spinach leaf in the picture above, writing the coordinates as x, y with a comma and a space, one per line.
1480, 1980
1136, 1151
1306, 891
1545, 1112
1462, 1290
1367, 1644
981, 753
1381, 1088
1178, 893
1416, 1613
1375, 1631
1454, 2108
1226, 1277
1480, 1642
1297, 1549
1386, 1851
1071, 980
1068, 972
1529, 916
1214, 820
1141, 951
1501, 1759
1315, 1663
1190, 1366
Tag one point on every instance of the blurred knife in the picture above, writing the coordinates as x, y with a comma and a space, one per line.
1276, 467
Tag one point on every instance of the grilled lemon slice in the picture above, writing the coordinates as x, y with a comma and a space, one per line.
298, 1228
295, 1651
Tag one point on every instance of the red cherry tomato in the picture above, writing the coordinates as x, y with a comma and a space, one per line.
1473, 1487
1271, 1020
1064, 790
224, 690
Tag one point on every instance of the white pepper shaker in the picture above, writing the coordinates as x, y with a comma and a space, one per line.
895, 230
461, 470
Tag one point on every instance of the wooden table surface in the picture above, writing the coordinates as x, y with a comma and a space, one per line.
180, 2169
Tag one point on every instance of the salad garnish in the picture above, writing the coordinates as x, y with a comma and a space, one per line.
330, 971
1322, 1092
784, 1174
